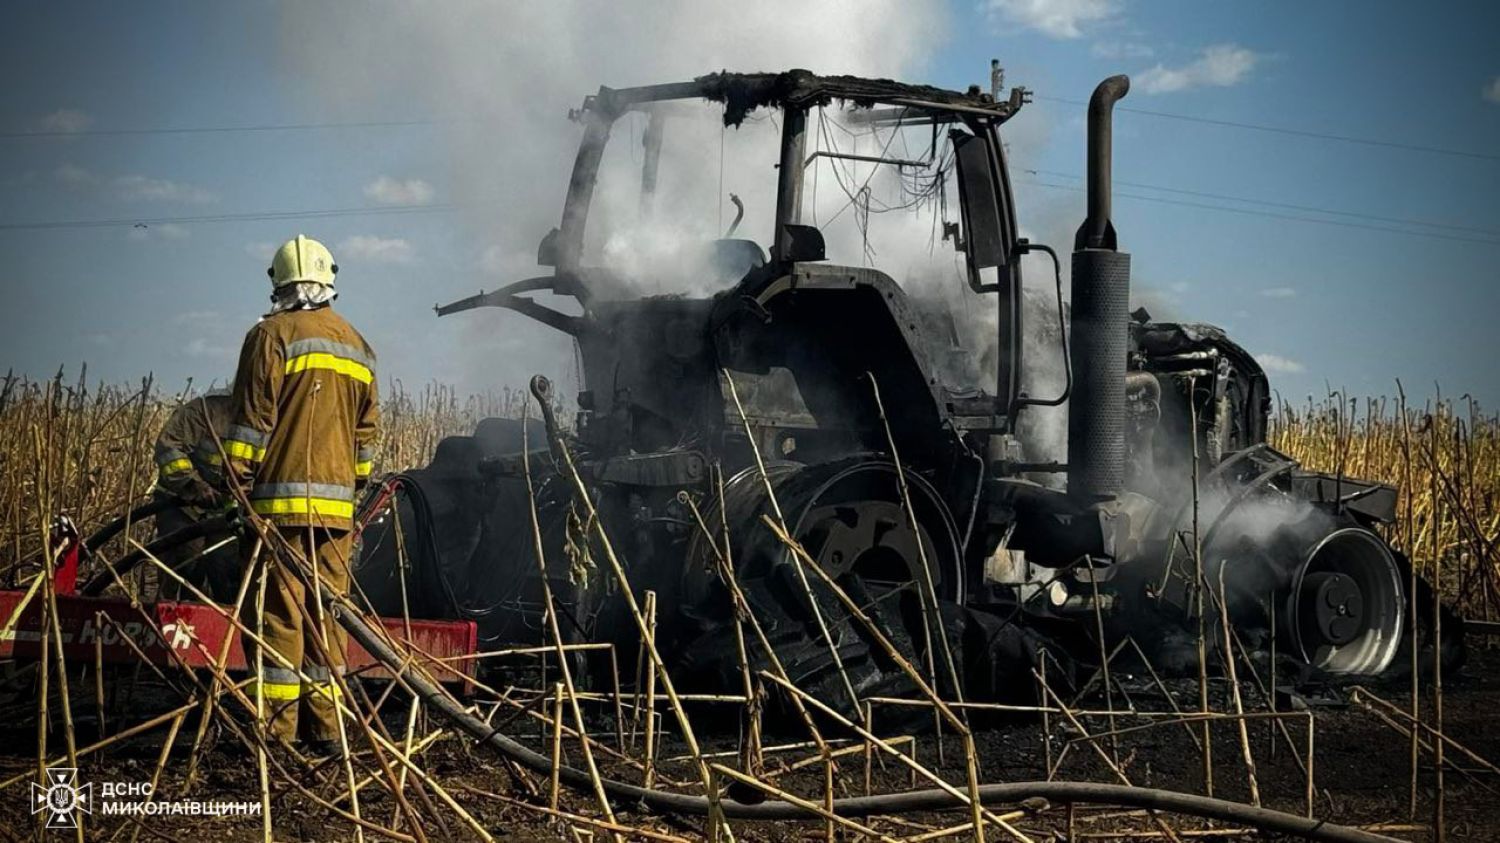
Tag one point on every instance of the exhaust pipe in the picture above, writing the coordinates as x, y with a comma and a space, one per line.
1100, 307
1097, 232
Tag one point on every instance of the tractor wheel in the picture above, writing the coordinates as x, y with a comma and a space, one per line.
1454, 650
850, 518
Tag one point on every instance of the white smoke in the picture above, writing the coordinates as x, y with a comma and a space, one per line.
504, 76
1044, 430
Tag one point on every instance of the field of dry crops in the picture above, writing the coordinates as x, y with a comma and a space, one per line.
67, 446
84, 450
1444, 456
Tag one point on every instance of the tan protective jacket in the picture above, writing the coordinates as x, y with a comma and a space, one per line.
306, 418
187, 445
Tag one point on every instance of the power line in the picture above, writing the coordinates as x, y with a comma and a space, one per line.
1289, 206
123, 222
1270, 214
1303, 133
211, 130
387, 210
378, 124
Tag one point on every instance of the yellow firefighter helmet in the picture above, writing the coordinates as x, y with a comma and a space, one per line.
302, 260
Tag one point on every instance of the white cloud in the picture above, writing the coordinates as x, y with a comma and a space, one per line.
261, 251
1277, 363
73, 175
1055, 18
368, 247
389, 191
134, 187
1279, 292
1120, 50
509, 263
200, 347
1220, 65
157, 231
66, 121
1492, 90
145, 188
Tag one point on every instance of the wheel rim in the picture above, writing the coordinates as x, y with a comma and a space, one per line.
1345, 607
855, 523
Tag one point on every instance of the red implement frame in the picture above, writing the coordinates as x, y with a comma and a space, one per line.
195, 632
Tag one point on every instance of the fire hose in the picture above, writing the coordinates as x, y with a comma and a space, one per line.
860, 806
113, 528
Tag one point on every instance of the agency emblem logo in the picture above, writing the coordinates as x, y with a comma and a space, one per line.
62, 798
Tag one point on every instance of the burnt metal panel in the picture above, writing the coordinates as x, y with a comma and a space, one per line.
1368, 498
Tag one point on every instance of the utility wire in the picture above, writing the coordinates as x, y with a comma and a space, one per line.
377, 124
122, 222
213, 130
126, 222
1270, 214
1485, 233
1291, 207
1302, 133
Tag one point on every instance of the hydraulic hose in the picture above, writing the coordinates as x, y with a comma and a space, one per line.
212, 524
113, 528
859, 806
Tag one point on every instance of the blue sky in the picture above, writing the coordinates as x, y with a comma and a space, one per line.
485, 88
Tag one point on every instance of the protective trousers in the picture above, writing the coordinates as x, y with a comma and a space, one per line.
296, 708
217, 573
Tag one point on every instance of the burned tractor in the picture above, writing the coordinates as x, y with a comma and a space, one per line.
787, 385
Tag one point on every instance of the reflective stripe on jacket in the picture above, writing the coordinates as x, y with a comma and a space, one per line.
186, 444
306, 418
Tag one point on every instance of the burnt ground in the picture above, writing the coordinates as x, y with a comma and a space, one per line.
1361, 772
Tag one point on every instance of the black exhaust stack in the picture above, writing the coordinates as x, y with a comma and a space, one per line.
1101, 296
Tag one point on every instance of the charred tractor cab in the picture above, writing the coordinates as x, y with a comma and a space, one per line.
768, 380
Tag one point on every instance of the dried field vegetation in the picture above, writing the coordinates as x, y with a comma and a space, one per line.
84, 450
1444, 456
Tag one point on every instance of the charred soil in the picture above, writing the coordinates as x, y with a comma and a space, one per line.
1361, 774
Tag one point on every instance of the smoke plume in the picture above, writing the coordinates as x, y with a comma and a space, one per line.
502, 77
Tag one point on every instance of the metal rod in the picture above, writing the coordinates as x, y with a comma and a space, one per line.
789, 181
873, 159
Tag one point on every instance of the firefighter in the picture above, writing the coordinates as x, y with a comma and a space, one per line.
304, 427
189, 472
